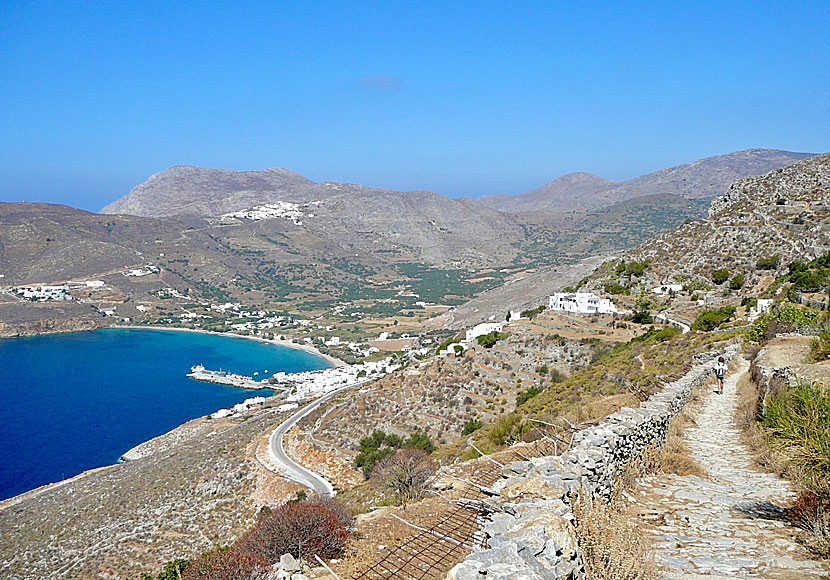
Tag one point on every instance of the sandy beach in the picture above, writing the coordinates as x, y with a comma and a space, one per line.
334, 361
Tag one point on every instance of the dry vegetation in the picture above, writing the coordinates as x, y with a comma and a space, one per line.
622, 375
676, 456
788, 426
612, 544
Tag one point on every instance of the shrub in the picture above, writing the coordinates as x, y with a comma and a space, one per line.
720, 276
543, 370
223, 565
737, 282
533, 311
419, 440
556, 376
491, 338
822, 261
302, 529
636, 269
642, 317
811, 512
471, 426
820, 345
711, 319
695, 285
406, 472
786, 316
808, 281
502, 432
749, 302
796, 267
171, 571
768, 262
799, 418
524, 396
446, 343
379, 445
374, 448
615, 288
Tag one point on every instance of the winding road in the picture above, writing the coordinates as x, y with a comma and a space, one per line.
293, 470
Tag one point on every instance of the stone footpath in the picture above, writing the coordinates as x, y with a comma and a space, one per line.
530, 536
727, 525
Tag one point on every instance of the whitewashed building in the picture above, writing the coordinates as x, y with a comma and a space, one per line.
581, 303
667, 289
763, 305
482, 329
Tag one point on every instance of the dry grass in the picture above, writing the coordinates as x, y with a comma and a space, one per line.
611, 543
676, 457
771, 459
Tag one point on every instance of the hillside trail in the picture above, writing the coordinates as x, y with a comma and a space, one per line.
727, 524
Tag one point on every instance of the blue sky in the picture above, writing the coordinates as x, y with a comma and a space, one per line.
459, 98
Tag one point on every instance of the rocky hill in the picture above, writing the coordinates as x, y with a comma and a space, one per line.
189, 190
705, 178
568, 191
784, 213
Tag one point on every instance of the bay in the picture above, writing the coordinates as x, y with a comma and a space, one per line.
76, 401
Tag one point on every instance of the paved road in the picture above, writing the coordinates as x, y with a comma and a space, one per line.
684, 328
295, 471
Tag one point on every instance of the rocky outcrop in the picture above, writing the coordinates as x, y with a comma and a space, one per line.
532, 536
46, 326
784, 213
778, 187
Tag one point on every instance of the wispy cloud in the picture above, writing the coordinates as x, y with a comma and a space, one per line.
380, 82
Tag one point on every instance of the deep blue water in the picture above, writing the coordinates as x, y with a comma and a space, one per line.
72, 402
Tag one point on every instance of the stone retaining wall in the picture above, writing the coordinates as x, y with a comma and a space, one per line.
531, 535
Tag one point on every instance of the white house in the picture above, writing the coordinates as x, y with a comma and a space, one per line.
482, 329
581, 303
762, 306
667, 289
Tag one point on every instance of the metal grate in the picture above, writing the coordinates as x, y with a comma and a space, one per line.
430, 553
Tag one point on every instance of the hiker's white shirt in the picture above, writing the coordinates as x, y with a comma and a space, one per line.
720, 370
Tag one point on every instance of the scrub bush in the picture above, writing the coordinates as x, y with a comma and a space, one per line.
223, 565
302, 529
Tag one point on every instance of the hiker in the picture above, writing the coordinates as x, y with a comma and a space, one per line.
720, 373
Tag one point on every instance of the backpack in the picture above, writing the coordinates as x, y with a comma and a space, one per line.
720, 371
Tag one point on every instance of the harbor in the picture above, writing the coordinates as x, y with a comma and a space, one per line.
220, 377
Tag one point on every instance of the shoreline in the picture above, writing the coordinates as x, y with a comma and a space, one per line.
334, 361
14, 500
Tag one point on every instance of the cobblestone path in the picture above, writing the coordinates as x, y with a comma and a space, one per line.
726, 525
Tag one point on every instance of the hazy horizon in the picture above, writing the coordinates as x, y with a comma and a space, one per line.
462, 100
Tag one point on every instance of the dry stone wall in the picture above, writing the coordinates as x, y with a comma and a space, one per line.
531, 534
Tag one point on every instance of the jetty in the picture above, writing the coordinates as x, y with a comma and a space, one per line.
200, 373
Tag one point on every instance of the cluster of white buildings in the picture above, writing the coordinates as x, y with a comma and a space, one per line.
581, 303
139, 272
44, 293
242, 407
315, 383
278, 210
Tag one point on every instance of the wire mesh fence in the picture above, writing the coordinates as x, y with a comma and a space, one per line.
431, 552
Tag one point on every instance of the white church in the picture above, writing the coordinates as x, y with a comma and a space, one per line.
581, 303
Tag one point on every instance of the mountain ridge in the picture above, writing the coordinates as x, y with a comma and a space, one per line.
704, 178
783, 213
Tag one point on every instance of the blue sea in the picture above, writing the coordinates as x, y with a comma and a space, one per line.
72, 402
